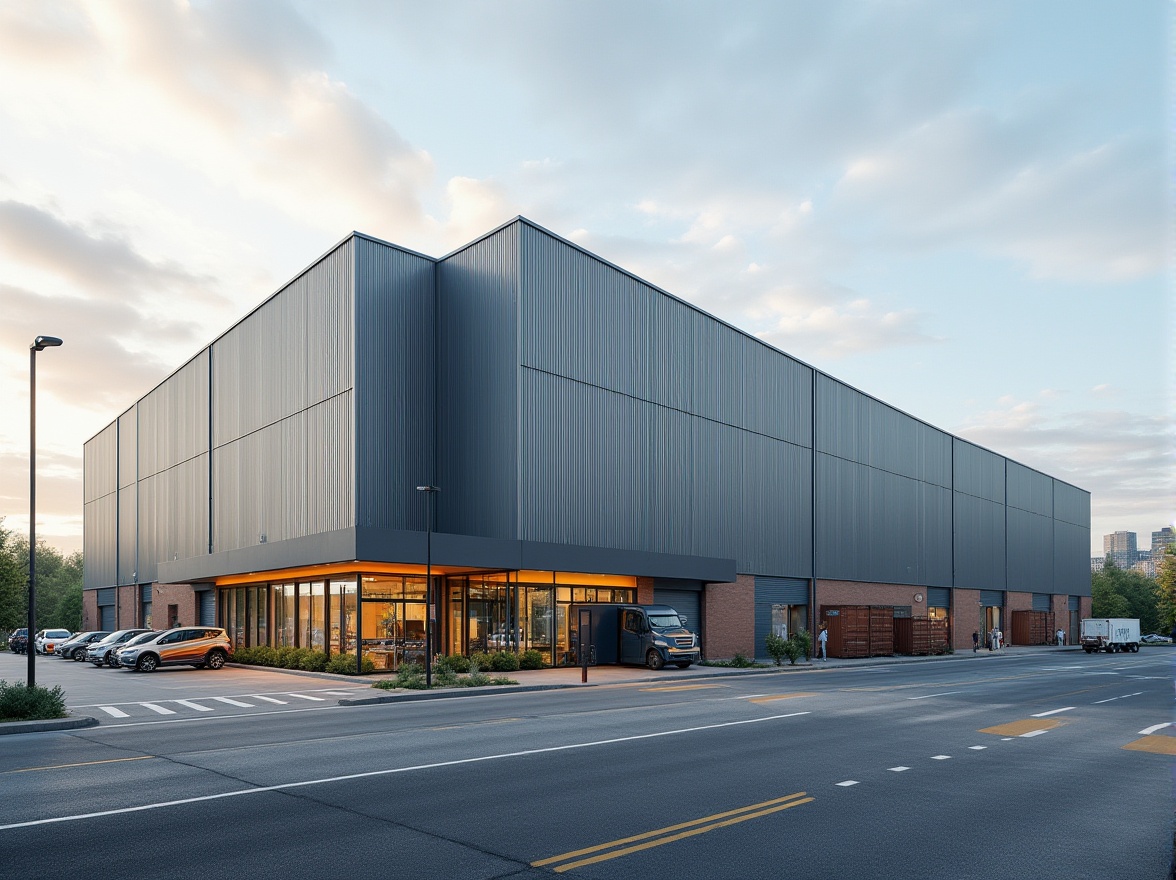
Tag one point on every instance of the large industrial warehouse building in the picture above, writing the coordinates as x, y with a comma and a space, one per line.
593, 438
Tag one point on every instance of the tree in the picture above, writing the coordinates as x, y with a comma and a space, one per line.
1118, 593
1166, 587
59, 584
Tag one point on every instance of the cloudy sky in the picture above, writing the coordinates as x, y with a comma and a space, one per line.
960, 208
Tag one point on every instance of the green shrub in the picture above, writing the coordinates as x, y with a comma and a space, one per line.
20, 703
502, 679
805, 639
410, 675
777, 648
481, 659
477, 678
454, 663
531, 659
504, 661
312, 661
344, 664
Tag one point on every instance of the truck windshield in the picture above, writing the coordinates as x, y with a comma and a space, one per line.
664, 620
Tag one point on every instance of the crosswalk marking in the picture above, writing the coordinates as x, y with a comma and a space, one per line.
116, 713
269, 699
233, 702
337, 693
307, 697
195, 706
159, 709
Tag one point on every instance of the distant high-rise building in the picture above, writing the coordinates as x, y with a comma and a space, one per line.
1161, 541
1120, 548
1096, 564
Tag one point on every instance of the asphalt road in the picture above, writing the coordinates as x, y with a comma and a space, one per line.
1051, 765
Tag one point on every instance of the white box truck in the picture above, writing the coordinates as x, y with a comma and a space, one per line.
1110, 634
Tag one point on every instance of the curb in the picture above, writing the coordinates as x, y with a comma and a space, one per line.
80, 721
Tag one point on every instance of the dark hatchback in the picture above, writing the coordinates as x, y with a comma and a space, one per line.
75, 648
18, 642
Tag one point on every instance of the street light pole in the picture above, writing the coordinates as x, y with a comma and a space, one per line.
39, 344
429, 606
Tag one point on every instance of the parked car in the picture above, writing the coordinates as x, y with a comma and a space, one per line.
137, 640
1155, 639
75, 647
18, 642
199, 646
100, 653
47, 640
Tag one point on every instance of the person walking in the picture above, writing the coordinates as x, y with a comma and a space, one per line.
975, 641
1061, 638
822, 641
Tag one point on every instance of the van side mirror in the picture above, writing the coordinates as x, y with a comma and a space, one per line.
682, 617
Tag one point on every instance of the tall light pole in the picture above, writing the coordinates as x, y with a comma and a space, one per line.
428, 490
39, 344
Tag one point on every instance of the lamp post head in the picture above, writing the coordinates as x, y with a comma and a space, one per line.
43, 342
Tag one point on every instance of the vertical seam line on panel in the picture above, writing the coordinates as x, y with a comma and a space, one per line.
353, 451
117, 500
813, 498
517, 370
210, 483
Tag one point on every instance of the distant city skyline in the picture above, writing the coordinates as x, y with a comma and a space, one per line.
960, 209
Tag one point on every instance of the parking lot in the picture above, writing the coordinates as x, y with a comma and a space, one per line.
176, 692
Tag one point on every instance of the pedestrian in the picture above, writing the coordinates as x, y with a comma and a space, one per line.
822, 641
975, 641
991, 639
1061, 638
999, 639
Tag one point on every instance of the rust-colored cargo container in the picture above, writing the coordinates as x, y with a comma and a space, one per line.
1033, 628
859, 630
920, 636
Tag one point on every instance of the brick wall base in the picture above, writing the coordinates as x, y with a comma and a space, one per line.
729, 611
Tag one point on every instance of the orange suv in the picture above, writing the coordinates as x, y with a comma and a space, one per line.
199, 646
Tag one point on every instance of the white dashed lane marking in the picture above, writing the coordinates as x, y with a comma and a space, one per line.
977, 748
160, 710
306, 697
1052, 712
233, 702
269, 699
113, 712
941, 757
848, 783
899, 769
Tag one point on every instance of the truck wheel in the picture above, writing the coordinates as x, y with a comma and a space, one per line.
1087, 650
685, 665
654, 660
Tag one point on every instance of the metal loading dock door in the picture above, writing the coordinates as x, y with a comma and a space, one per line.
207, 607
687, 602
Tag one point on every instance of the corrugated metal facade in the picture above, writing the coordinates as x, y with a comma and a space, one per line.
883, 492
395, 355
477, 387
280, 377
645, 425
555, 399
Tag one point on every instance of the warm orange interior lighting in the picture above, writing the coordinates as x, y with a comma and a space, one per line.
321, 572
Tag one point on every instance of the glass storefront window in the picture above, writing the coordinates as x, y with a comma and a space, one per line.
282, 600
311, 610
536, 620
342, 613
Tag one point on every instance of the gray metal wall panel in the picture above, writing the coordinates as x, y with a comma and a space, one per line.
855, 427
875, 525
128, 447
99, 542
172, 515
394, 384
128, 513
1030, 552
292, 352
1029, 490
1071, 548
330, 498
978, 472
100, 464
262, 485
979, 543
583, 319
603, 469
1071, 504
173, 419
477, 390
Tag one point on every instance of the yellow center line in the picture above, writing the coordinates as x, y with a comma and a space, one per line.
82, 764
685, 687
604, 857
669, 828
778, 697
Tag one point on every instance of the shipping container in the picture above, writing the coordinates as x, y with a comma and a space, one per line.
920, 636
859, 630
1032, 628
